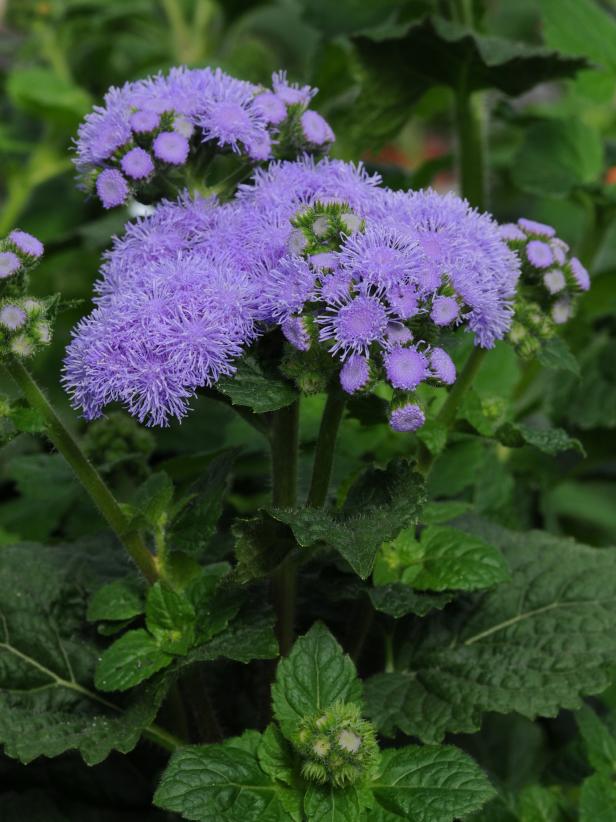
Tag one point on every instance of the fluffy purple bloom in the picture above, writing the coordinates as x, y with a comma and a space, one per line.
539, 254
295, 332
380, 257
404, 301
511, 232
270, 107
407, 418
290, 93
354, 374
229, 115
442, 366
554, 280
444, 310
26, 243
325, 259
580, 274
142, 122
316, 129
398, 334
12, 316
171, 147
405, 367
137, 164
112, 188
534, 228
354, 325
105, 129
285, 288
9, 263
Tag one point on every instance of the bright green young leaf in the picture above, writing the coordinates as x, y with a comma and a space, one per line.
118, 600
153, 498
534, 645
47, 703
580, 27
43, 92
275, 755
430, 784
254, 386
599, 743
435, 513
597, 799
170, 618
196, 522
538, 804
316, 674
215, 782
131, 659
558, 156
378, 506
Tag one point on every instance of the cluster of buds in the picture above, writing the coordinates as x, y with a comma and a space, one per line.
337, 746
24, 321
549, 286
118, 443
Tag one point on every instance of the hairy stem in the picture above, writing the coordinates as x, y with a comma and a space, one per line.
284, 448
86, 473
326, 444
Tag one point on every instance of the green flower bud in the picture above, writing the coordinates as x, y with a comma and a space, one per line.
337, 746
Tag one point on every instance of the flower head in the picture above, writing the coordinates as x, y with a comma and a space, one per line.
316, 129
171, 147
9, 263
407, 417
354, 325
405, 367
26, 243
112, 188
137, 164
355, 373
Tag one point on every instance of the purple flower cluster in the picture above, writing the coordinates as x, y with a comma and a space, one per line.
157, 123
551, 277
321, 250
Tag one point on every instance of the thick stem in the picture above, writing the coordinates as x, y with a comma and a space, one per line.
284, 447
447, 414
326, 444
85, 471
471, 155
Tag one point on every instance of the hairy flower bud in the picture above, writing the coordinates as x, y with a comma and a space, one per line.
337, 746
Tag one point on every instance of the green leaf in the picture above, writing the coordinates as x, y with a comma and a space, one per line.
249, 636
315, 675
398, 599
558, 155
433, 434
153, 498
435, 513
47, 704
348, 16
220, 782
44, 93
556, 355
399, 64
550, 441
452, 559
121, 600
170, 618
257, 387
378, 506
597, 799
261, 543
130, 660
275, 755
538, 804
324, 803
534, 645
580, 27
195, 524
599, 744
430, 784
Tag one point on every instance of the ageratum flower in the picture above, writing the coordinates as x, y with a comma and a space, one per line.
552, 280
162, 121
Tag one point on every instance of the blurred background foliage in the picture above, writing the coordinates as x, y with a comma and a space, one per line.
544, 77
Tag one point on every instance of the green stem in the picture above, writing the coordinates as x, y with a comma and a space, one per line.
85, 471
447, 414
468, 112
326, 444
284, 448
363, 617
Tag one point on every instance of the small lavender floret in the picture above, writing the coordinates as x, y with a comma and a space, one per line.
142, 122
295, 332
324, 259
407, 418
290, 93
533, 227
580, 274
354, 374
137, 164
12, 317
444, 310
271, 107
539, 254
316, 129
554, 280
405, 367
511, 232
111, 188
171, 147
9, 263
398, 334
442, 366
354, 325
26, 243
